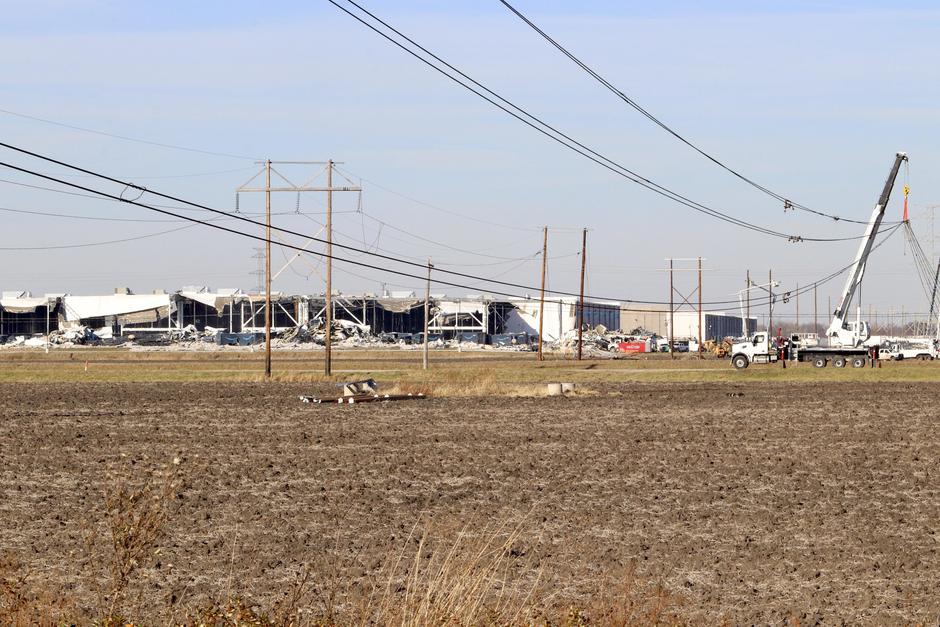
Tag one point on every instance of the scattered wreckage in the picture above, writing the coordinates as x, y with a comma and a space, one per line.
366, 391
598, 341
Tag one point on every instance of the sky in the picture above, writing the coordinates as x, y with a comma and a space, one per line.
810, 99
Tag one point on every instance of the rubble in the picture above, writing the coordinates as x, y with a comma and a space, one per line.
598, 341
80, 336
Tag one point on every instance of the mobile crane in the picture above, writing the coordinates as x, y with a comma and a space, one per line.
846, 337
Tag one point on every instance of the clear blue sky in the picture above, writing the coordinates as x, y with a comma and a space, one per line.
811, 99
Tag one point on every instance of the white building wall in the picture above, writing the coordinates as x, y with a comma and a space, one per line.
561, 317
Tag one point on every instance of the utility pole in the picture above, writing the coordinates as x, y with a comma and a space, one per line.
797, 307
747, 315
815, 310
542, 297
770, 305
581, 298
701, 355
267, 169
267, 269
672, 318
427, 311
328, 356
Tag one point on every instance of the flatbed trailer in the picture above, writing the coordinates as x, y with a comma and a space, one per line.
821, 356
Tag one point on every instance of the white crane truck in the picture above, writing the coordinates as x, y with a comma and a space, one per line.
846, 337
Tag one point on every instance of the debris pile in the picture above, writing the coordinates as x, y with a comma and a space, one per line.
599, 342
80, 336
345, 334
596, 342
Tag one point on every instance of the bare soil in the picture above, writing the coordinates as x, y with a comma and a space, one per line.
810, 501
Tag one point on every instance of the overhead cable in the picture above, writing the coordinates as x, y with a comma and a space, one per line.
240, 217
90, 244
423, 266
126, 137
556, 135
788, 204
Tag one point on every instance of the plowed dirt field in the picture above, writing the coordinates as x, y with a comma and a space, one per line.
817, 501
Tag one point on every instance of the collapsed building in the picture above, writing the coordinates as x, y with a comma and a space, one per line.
475, 318
21, 313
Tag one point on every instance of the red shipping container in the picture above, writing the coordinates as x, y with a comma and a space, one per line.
633, 347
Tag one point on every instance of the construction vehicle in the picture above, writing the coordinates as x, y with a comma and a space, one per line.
846, 337
720, 349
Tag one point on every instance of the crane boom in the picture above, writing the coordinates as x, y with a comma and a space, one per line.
841, 331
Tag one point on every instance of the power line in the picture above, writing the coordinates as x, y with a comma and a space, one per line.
52, 214
369, 248
436, 243
143, 190
259, 238
125, 137
90, 244
451, 212
441, 209
558, 136
787, 203
169, 176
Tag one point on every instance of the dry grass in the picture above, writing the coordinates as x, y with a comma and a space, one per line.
483, 574
138, 508
452, 373
463, 382
136, 512
475, 575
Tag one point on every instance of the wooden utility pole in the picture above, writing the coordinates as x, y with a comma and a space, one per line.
267, 269
427, 312
542, 297
701, 355
672, 318
267, 169
328, 357
581, 297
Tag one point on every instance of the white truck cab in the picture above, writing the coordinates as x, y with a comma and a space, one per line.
758, 350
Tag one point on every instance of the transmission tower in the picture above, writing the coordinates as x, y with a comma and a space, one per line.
258, 272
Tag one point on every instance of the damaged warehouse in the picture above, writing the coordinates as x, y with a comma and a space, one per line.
201, 310
23, 314
201, 313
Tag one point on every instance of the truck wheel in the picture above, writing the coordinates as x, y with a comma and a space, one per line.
740, 362
858, 362
924, 357
819, 362
838, 362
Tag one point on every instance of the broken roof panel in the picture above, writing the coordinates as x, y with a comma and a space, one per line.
84, 307
215, 300
23, 302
